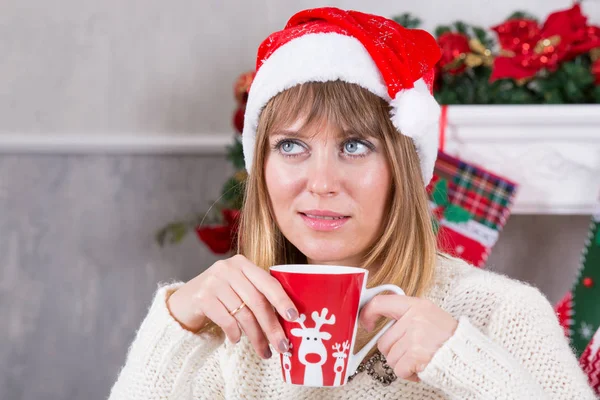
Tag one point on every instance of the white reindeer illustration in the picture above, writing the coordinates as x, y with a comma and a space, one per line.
312, 352
287, 364
340, 356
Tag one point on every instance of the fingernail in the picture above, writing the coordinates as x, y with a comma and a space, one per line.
292, 314
283, 345
268, 353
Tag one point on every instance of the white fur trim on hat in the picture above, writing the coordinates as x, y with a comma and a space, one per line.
322, 57
416, 113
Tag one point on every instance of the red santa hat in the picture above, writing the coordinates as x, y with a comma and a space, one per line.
378, 54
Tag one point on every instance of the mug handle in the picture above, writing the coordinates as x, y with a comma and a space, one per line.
355, 359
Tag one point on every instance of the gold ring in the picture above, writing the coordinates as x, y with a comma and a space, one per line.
232, 313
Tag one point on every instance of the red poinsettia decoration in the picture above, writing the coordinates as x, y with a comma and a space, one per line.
528, 48
455, 47
220, 239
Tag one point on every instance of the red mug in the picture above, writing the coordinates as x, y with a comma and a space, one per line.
329, 299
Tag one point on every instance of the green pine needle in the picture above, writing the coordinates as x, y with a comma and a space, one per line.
235, 154
440, 30
521, 15
596, 94
460, 27
408, 21
173, 233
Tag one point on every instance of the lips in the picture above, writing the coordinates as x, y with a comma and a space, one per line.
323, 220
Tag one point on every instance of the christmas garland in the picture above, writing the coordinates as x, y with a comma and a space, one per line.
520, 61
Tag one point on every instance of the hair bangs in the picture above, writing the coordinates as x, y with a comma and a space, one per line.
353, 110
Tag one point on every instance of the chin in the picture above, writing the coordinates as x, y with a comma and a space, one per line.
326, 251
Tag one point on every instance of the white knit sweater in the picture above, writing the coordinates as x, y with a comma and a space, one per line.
508, 345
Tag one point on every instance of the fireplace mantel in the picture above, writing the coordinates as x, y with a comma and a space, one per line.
552, 152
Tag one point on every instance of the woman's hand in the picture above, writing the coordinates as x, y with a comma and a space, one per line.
221, 289
420, 329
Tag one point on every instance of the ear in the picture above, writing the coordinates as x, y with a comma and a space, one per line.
297, 332
325, 336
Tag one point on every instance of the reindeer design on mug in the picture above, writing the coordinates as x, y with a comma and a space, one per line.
287, 364
312, 353
340, 356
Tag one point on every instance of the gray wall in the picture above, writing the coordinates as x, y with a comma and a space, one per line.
78, 262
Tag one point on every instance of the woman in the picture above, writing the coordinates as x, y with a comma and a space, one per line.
333, 179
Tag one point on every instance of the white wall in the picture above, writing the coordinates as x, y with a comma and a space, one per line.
150, 66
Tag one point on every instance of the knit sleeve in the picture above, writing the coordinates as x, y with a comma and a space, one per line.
521, 354
164, 358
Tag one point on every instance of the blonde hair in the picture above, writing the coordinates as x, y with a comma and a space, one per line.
405, 253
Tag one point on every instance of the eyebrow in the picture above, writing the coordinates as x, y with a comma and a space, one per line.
286, 132
298, 134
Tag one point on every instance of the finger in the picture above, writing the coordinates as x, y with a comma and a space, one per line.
262, 310
392, 306
392, 336
397, 351
402, 361
270, 287
217, 313
231, 301
405, 369
252, 329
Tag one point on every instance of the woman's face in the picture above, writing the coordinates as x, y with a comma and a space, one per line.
329, 191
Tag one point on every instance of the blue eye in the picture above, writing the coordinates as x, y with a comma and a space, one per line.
288, 147
354, 147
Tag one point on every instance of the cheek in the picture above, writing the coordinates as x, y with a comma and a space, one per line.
282, 183
371, 190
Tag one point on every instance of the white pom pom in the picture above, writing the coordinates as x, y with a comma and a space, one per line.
415, 113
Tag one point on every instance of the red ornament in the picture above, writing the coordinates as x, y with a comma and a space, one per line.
240, 91
588, 282
242, 87
238, 119
217, 238
596, 71
454, 47
220, 239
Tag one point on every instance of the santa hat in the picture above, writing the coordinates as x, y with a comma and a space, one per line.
378, 54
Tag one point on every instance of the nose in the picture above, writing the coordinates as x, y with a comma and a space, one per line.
324, 174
